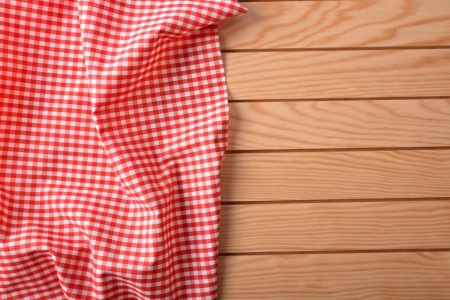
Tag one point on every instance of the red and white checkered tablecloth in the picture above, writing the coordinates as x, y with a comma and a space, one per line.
113, 124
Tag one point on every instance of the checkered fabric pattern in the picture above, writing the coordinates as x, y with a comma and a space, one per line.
113, 124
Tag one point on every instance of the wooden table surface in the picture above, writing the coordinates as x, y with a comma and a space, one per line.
336, 182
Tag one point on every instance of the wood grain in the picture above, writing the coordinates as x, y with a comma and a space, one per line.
329, 24
374, 276
339, 124
338, 74
336, 175
335, 226
321, 79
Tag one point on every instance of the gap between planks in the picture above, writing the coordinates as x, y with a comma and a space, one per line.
431, 148
335, 49
334, 201
340, 99
285, 0
333, 252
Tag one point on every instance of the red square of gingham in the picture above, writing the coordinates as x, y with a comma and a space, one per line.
113, 124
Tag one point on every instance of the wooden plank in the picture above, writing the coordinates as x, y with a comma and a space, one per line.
335, 226
336, 175
351, 23
339, 124
375, 276
338, 74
